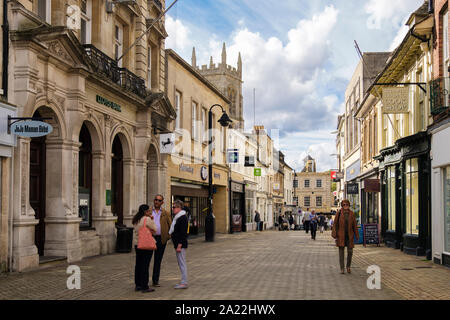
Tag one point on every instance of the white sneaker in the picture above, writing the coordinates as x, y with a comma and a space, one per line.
181, 286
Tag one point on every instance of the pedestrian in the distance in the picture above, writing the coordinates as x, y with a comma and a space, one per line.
321, 222
280, 222
313, 224
257, 219
291, 221
306, 220
327, 220
178, 232
163, 222
143, 219
344, 230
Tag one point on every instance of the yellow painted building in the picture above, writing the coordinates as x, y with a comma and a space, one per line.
192, 97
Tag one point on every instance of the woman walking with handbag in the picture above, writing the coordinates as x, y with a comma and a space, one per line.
178, 232
144, 226
344, 230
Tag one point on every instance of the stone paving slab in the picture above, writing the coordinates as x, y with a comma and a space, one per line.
269, 265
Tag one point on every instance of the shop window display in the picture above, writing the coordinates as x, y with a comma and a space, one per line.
412, 196
447, 207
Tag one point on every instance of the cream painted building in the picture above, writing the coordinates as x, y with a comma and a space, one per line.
314, 189
102, 160
192, 97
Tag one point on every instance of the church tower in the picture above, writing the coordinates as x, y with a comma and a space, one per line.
229, 81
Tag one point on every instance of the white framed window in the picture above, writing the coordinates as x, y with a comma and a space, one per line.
118, 42
205, 125
318, 201
194, 121
149, 67
306, 183
307, 201
86, 21
178, 109
44, 10
319, 183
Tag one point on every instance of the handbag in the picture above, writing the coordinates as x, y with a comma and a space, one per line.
145, 238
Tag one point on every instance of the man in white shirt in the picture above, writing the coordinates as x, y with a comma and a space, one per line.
306, 219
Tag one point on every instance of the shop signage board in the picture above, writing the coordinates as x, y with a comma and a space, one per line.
167, 143
31, 128
395, 100
257, 172
370, 234
232, 156
106, 102
249, 161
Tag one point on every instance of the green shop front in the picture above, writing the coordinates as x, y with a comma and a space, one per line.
405, 194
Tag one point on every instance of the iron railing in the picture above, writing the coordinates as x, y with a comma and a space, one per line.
107, 67
439, 95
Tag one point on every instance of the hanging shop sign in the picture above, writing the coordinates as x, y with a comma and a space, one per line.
249, 161
108, 103
232, 156
204, 173
257, 172
167, 143
29, 128
395, 100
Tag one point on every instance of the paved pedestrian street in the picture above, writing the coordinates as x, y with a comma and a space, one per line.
256, 265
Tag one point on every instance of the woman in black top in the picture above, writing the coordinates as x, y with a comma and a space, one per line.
178, 232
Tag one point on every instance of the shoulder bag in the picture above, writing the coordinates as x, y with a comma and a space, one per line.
145, 238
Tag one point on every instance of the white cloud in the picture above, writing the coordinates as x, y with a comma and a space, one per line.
387, 10
178, 38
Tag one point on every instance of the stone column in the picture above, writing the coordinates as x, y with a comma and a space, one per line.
102, 219
62, 224
129, 207
25, 253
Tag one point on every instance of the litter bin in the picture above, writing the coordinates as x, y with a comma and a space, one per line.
124, 239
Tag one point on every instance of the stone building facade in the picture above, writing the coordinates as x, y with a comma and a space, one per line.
102, 159
314, 188
192, 97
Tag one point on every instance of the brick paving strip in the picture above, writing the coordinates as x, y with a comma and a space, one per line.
270, 265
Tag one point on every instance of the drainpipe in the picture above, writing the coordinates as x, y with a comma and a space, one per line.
5, 28
11, 212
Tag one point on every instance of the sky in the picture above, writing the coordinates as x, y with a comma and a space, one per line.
298, 55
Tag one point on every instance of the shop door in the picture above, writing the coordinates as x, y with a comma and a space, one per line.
117, 181
37, 189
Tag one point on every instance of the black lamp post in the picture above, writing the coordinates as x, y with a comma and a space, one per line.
209, 220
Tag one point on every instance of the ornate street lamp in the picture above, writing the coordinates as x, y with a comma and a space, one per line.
209, 220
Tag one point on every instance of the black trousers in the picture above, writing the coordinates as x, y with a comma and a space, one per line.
141, 275
307, 226
313, 230
159, 253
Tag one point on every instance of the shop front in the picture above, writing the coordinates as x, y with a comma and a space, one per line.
405, 191
440, 191
370, 195
250, 204
238, 216
352, 188
189, 183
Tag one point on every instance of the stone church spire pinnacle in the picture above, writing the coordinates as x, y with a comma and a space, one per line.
194, 58
224, 55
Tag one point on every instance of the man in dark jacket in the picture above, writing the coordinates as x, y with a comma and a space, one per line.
257, 219
178, 232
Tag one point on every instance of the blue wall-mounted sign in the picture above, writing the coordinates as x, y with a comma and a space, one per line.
31, 128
